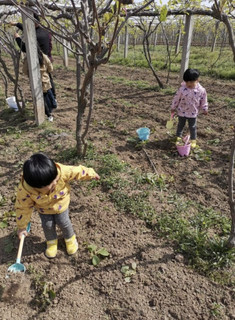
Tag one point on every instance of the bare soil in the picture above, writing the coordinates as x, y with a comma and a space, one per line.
164, 286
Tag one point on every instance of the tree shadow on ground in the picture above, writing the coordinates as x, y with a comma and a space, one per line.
82, 274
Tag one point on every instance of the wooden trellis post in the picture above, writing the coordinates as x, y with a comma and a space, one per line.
118, 43
66, 55
179, 33
186, 44
34, 69
126, 42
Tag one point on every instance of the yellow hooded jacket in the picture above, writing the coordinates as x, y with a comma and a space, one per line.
55, 202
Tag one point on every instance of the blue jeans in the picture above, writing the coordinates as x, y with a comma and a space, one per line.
49, 222
49, 102
192, 123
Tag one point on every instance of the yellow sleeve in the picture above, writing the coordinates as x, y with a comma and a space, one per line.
24, 207
48, 64
77, 173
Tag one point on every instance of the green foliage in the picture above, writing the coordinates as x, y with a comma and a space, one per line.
163, 13
128, 271
216, 310
214, 142
2, 200
97, 254
201, 237
136, 204
44, 289
111, 164
230, 102
161, 180
5, 218
200, 57
68, 155
140, 84
202, 155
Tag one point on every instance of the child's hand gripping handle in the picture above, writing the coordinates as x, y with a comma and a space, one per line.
23, 234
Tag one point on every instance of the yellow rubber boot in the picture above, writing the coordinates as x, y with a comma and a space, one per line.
193, 143
51, 250
178, 140
71, 245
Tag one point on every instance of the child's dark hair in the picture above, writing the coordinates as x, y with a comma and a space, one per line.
191, 75
39, 170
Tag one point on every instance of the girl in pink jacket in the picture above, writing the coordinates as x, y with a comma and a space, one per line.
189, 99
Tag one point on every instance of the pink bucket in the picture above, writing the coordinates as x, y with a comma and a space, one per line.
184, 150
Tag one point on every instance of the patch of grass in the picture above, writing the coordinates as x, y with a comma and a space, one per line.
127, 104
107, 123
160, 181
111, 164
215, 310
230, 102
202, 58
202, 155
68, 155
211, 98
3, 200
136, 204
169, 90
140, 84
201, 237
214, 142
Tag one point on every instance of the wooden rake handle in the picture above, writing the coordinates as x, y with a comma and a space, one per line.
19, 254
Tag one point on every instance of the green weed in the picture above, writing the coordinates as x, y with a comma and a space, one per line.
140, 84
169, 90
128, 271
2, 200
45, 293
97, 254
202, 155
201, 236
111, 164
5, 218
216, 310
230, 102
136, 204
214, 142
200, 57
161, 180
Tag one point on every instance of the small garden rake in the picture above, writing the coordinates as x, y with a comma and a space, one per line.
19, 267
170, 123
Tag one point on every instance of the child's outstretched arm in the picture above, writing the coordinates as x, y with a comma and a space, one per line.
78, 173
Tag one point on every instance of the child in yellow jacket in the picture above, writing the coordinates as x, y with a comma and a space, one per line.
45, 186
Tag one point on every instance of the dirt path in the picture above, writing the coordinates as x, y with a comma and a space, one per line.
163, 286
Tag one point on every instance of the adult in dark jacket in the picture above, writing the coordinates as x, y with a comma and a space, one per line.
43, 40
